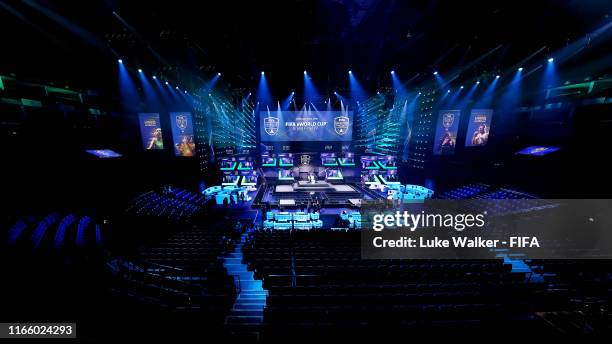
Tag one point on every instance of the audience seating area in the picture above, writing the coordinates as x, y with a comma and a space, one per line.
176, 204
183, 272
482, 198
464, 191
316, 280
55, 231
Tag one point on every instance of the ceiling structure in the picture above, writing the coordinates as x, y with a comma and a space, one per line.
78, 43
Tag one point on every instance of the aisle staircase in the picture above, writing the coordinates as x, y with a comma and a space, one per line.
246, 316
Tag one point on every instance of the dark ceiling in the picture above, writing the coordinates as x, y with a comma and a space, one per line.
77, 43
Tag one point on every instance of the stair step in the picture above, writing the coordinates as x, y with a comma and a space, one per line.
249, 306
245, 276
251, 298
251, 284
236, 260
250, 302
254, 293
249, 312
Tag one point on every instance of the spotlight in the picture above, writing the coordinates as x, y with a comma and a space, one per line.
262, 73
350, 72
477, 82
154, 77
219, 74
249, 93
520, 69
436, 73
185, 91
139, 70
420, 93
550, 60
392, 72
497, 77
120, 61
292, 92
305, 73
336, 93
448, 91
378, 93
176, 88
166, 83
461, 87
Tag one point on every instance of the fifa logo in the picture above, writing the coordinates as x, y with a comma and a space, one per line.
341, 124
181, 122
448, 119
271, 125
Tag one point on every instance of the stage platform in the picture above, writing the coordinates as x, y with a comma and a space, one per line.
298, 195
319, 186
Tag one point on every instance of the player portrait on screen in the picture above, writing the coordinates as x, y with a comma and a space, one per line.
447, 142
186, 147
480, 135
156, 141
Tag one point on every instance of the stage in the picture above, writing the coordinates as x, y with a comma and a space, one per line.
319, 186
301, 193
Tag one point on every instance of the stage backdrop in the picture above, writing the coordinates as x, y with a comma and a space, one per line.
151, 131
479, 127
287, 126
446, 132
182, 133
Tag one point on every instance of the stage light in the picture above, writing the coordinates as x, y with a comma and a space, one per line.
461, 87
350, 72
176, 87
392, 72
550, 60
185, 91
262, 73
292, 92
219, 74
139, 70
477, 82
448, 91
166, 83
154, 77
305, 73
497, 77
120, 61
420, 93
435, 73
249, 93
520, 69
336, 93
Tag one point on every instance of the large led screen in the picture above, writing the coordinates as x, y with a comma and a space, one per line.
479, 127
182, 133
151, 131
446, 132
284, 126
